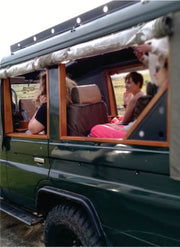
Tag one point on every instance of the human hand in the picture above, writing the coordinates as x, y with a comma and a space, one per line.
126, 98
115, 120
139, 55
140, 50
143, 48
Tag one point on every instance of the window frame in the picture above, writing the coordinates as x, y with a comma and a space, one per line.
125, 140
8, 119
111, 94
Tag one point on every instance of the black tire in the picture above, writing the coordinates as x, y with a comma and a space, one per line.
67, 226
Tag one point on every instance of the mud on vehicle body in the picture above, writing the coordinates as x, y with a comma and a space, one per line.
93, 191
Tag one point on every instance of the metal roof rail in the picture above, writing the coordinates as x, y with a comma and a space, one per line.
122, 19
72, 24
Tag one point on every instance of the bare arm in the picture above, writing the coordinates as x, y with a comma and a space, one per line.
35, 126
129, 111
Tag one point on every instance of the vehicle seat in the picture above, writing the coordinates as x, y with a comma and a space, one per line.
87, 110
28, 105
143, 101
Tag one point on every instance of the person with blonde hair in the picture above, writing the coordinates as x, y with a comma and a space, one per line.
69, 85
38, 123
161, 70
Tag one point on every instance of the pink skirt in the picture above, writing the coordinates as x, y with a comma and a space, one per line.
108, 131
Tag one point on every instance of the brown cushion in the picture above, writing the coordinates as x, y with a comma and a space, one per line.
151, 89
86, 94
28, 105
141, 103
82, 117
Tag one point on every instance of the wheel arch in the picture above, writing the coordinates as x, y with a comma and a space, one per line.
49, 197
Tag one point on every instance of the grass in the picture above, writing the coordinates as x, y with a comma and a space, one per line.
25, 91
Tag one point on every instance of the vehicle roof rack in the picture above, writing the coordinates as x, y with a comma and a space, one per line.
71, 24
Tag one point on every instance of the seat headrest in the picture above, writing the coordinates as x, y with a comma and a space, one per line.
86, 94
151, 89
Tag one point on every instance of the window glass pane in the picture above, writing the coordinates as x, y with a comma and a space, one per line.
24, 91
118, 81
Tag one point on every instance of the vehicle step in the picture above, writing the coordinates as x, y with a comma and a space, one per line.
19, 213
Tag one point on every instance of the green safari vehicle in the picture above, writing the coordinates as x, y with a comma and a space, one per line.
93, 191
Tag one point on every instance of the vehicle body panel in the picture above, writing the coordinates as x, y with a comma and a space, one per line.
23, 172
118, 176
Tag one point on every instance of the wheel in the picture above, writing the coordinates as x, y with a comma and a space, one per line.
68, 226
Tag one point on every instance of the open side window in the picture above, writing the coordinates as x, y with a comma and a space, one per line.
19, 104
151, 126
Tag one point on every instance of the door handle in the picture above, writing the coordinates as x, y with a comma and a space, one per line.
39, 160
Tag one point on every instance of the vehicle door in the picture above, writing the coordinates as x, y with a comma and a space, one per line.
3, 179
27, 155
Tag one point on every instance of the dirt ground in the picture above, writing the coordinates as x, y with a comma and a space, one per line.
14, 233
